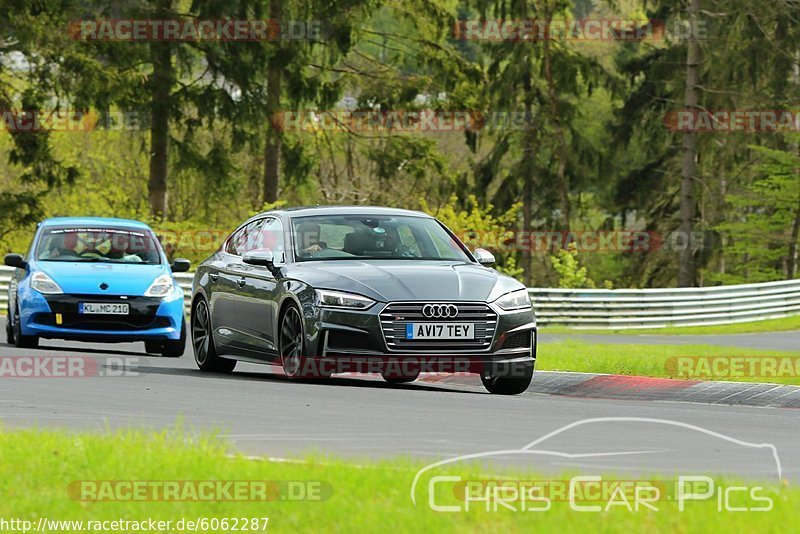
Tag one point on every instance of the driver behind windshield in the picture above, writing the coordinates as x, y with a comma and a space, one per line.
62, 245
308, 237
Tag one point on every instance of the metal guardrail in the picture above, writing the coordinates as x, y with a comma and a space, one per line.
628, 308
185, 281
658, 308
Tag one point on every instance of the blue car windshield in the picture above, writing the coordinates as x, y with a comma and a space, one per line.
349, 237
107, 245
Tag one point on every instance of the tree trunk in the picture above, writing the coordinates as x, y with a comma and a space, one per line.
686, 265
562, 180
791, 264
528, 165
791, 270
527, 208
160, 88
272, 147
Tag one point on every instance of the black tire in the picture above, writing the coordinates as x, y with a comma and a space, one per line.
402, 375
508, 380
153, 347
292, 348
205, 353
9, 331
20, 341
175, 348
400, 379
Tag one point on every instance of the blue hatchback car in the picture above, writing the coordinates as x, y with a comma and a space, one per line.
96, 279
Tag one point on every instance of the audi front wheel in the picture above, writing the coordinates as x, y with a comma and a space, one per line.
507, 379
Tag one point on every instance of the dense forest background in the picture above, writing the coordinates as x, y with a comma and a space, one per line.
595, 152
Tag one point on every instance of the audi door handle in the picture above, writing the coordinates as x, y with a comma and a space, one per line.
241, 282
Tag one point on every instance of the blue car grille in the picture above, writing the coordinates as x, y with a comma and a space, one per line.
142, 313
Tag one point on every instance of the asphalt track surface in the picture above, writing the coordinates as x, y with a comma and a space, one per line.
262, 413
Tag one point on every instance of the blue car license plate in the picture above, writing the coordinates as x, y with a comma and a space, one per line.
103, 308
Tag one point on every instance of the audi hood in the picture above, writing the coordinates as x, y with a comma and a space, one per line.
402, 280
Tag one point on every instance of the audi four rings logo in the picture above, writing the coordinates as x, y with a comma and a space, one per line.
440, 311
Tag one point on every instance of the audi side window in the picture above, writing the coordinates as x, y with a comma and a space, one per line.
245, 239
250, 237
270, 237
230, 246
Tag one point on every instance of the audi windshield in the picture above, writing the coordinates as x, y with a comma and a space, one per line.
342, 237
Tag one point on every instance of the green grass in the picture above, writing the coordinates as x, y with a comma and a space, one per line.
654, 360
769, 325
36, 468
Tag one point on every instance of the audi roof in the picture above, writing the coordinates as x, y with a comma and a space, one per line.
346, 210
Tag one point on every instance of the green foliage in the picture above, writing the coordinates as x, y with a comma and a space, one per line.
594, 144
758, 235
475, 226
571, 274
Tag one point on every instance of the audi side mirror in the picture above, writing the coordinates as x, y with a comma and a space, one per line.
483, 256
15, 260
264, 258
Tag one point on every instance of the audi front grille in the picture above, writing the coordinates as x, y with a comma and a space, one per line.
396, 316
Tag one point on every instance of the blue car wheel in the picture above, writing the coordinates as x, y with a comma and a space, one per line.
175, 349
20, 341
9, 330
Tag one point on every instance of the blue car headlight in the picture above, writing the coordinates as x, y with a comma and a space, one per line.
516, 300
161, 287
44, 284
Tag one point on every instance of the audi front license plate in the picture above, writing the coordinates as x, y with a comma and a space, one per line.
440, 331
103, 308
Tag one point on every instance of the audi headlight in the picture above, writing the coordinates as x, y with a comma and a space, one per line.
44, 284
337, 299
161, 287
516, 300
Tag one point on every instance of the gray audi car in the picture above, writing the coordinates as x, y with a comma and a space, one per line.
326, 290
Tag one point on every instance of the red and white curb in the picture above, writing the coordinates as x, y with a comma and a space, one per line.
623, 387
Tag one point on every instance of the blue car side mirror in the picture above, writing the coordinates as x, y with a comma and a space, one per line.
15, 260
181, 265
